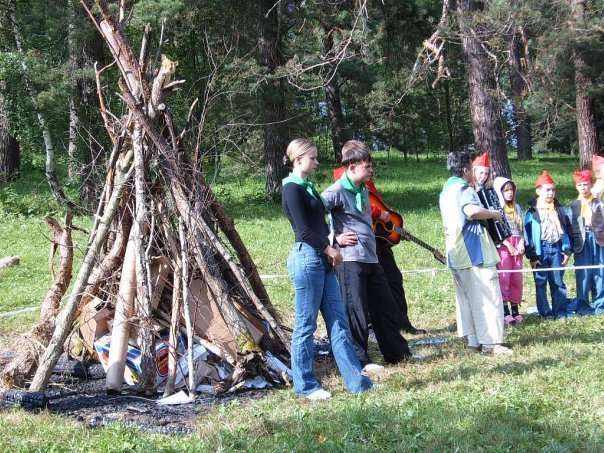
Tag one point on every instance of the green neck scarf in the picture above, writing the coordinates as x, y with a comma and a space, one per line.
310, 187
360, 193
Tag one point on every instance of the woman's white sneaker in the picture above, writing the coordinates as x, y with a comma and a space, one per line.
318, 395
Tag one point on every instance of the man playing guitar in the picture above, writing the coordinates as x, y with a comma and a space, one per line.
384, 248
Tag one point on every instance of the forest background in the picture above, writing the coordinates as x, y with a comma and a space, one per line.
521, 80
420, 77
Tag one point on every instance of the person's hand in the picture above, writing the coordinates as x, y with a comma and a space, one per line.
496, 214
535, 263
333, 256
347, 239
520, 248
565, 259
384, 217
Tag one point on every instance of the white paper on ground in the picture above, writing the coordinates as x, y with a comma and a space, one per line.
256, 383
177, 398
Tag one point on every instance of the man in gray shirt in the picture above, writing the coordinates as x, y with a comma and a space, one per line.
363, 284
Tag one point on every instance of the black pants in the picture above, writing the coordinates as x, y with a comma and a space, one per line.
395, 281
366, 294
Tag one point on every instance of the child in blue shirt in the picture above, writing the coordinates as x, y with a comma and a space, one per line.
548, 245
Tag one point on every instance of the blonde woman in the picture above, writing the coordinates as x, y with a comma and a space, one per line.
311, 268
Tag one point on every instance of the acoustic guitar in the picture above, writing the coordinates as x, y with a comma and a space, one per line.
393, 230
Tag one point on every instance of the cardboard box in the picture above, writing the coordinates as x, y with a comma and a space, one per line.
93, 323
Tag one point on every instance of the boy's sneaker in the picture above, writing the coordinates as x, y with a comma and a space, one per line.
496, 349
509, 320
373, 368
519, 319
318, 395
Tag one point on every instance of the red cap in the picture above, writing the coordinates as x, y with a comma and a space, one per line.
545, 178
596, 161
582, 176
482, 161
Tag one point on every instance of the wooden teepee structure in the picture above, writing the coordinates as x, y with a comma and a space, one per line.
160, 247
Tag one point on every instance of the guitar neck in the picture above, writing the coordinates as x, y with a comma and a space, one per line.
404, 233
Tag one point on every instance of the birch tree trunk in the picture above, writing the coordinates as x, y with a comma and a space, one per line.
50, 168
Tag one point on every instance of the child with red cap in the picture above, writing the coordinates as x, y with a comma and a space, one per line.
587, 251
481, 168
548, 245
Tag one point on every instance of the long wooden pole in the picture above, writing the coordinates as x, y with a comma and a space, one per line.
55, 347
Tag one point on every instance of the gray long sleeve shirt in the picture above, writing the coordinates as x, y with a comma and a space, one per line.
346, 217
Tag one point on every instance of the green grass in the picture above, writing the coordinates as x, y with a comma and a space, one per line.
548, 397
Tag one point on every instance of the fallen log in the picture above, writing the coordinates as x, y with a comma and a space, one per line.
30, 346
12, 260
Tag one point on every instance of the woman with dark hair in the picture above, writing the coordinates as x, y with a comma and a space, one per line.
310, 267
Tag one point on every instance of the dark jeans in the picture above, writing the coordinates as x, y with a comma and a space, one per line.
395, 281
588, 280
551, 256
366, 294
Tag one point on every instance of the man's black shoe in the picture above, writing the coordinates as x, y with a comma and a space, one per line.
414, 331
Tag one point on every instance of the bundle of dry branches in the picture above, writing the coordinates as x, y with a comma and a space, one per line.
157, 255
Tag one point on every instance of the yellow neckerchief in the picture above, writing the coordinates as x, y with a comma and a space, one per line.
586, 208
510, 210
551, 230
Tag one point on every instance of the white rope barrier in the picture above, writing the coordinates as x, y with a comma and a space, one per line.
434, 270
18, 312
511, 271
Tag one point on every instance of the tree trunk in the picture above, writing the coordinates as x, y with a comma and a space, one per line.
522, 122
447, 87
50, 170
486, 115
84, 149
339, 134
587, 129
10, 152
272, 96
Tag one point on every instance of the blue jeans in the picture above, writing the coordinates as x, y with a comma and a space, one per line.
588, 280
317, 289
551, 256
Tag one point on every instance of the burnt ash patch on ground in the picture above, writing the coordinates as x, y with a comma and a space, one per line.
77, 391
85, 400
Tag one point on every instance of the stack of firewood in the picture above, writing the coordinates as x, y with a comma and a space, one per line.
164, 268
